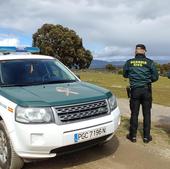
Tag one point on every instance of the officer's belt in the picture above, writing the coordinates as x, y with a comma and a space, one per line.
144, 86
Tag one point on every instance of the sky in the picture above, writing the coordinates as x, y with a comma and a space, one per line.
109, 28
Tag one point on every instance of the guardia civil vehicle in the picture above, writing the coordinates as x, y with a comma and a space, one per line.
46, 110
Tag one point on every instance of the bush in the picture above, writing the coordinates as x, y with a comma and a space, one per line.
110, 67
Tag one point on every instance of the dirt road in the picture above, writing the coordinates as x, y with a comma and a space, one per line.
118, 153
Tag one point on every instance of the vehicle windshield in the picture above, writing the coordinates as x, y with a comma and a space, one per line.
34, 72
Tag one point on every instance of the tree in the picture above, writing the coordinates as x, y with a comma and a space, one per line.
63, 44
110, 67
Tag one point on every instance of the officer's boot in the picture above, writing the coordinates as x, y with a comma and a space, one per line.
147, 139
131, 138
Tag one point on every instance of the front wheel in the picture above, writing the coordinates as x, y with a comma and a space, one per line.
8, 158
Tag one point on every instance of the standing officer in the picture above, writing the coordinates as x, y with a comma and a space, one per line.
141, 72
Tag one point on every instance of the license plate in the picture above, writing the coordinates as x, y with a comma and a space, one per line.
88, 135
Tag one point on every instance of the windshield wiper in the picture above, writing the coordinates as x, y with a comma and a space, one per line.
59, 81
15, 85
38, 83
19, 85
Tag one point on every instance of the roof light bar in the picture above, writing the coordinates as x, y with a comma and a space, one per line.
4, 49
7, 49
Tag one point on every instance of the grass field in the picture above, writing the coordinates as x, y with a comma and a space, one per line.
117, 84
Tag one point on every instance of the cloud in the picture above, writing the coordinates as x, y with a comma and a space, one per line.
9, 42
111, 52
116, 25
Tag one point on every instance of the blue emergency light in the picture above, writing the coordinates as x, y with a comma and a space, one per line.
10, 49
4, 49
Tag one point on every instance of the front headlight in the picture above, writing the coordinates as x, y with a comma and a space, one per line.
34, 115
112, 103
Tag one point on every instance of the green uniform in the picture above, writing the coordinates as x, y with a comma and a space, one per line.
141, 71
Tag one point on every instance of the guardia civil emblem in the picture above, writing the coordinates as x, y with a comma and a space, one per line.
66, 91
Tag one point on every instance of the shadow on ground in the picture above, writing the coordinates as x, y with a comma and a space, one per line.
77, 158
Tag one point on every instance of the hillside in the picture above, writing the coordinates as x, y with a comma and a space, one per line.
99, 64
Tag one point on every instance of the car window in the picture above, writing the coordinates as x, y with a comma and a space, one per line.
34, 71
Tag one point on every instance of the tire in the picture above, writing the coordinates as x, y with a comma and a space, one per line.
8, 158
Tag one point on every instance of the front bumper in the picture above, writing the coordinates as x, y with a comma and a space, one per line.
40, 141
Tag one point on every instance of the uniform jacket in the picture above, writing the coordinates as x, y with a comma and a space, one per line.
141, 71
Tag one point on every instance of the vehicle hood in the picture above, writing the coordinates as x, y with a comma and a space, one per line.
54, 94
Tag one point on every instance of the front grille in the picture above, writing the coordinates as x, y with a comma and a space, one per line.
69, 114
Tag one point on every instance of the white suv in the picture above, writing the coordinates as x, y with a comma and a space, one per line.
45, 110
